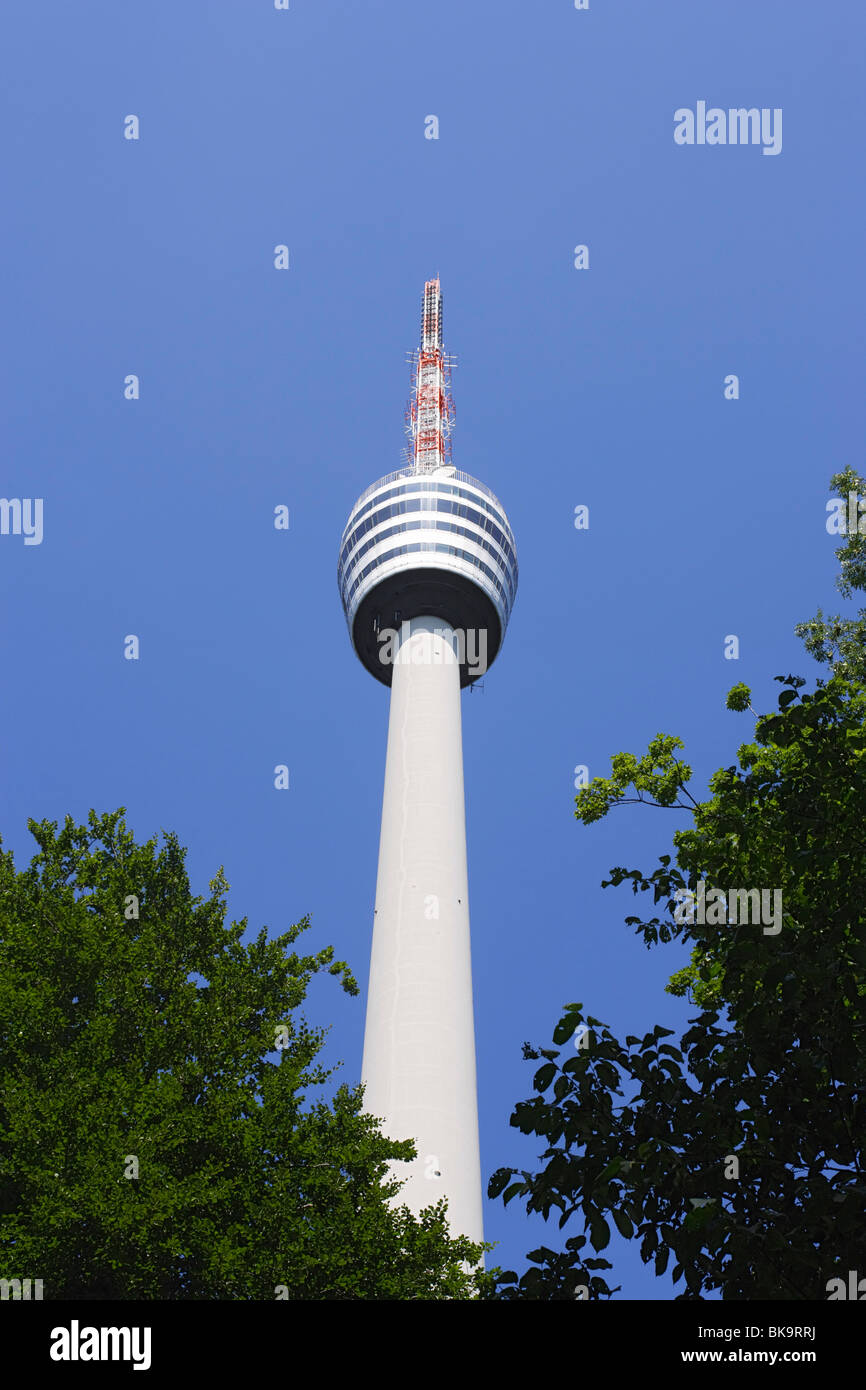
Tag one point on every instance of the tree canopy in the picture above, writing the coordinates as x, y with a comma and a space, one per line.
162, 1128
735, 1157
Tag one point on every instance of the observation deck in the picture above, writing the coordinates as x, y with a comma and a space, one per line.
427, 544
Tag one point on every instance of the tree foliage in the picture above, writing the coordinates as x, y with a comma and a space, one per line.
162, 1132
837, 641
736, 1157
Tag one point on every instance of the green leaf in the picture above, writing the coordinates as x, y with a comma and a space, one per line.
544, 1076
564, 1030
599, 1232
499, 1181
561, 1088
623, 1225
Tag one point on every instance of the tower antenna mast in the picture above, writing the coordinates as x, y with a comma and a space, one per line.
430, 416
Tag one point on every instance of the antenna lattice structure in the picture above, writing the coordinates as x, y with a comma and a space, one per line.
430, 414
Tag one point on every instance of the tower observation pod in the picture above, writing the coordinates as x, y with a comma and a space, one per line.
428, 577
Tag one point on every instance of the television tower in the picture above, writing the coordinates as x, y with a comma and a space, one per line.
428, 576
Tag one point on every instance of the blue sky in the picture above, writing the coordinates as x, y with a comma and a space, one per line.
601, 387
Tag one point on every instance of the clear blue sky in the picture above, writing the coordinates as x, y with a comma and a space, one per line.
261, 387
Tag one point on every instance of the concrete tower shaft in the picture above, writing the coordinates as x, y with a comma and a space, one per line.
419, 1043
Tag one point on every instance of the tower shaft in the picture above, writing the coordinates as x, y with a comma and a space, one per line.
419, 1044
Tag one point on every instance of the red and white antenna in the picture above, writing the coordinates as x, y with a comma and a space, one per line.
430, 416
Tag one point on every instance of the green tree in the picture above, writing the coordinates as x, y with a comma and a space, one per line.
841, 642
736, 1158
150, 1145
